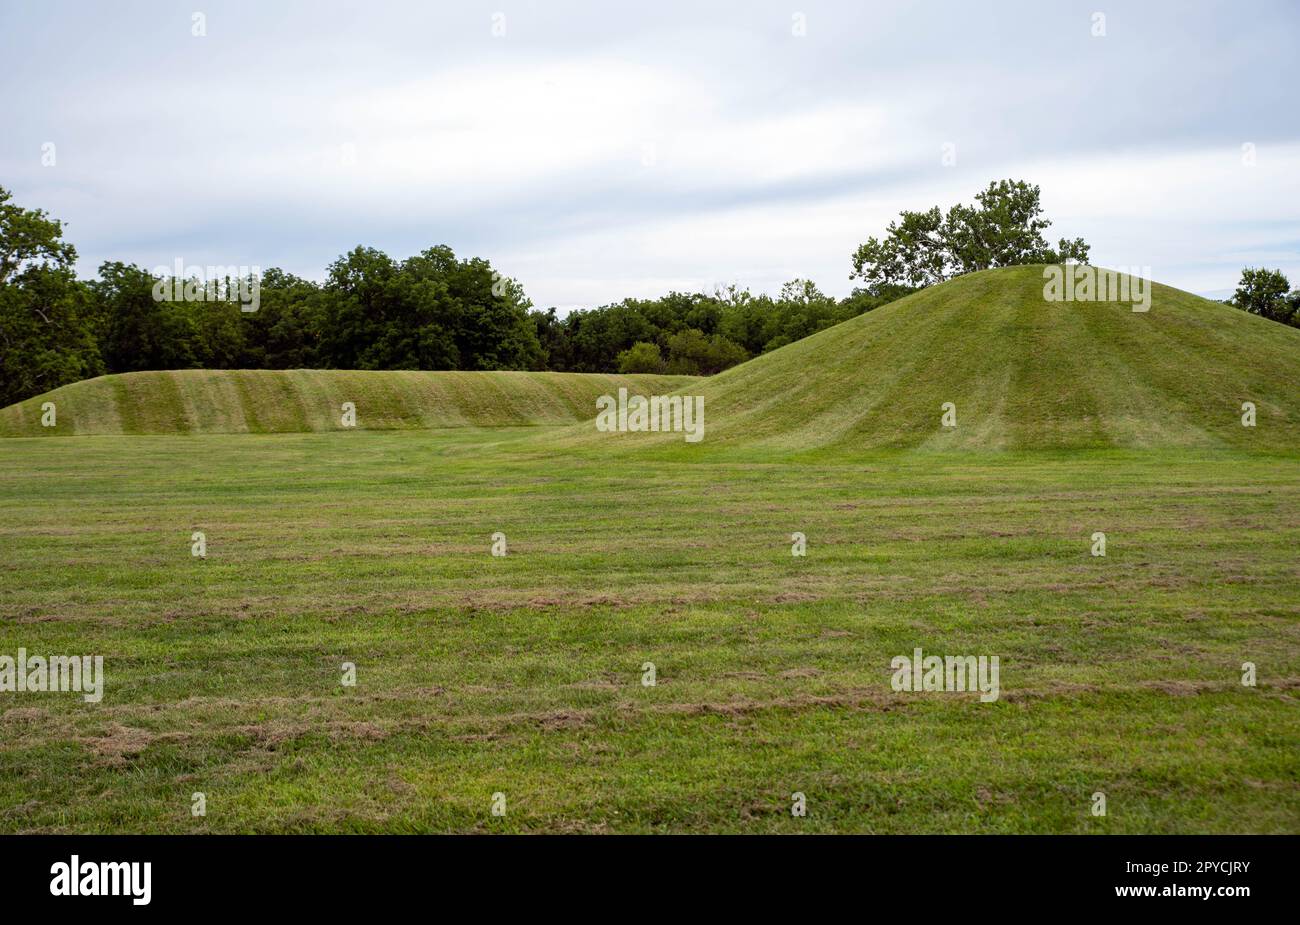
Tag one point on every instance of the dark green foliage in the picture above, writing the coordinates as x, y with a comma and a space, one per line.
641, 357
1004, 229
1265, 293
46, 337
30, 239
691, 353
283, 333
45, 333
430, 311
137, 331
697, 333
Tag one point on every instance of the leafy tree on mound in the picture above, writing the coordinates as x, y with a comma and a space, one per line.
1003, 229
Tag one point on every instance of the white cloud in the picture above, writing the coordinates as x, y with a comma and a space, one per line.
598, 153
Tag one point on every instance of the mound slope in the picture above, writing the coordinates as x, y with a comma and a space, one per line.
1023, 373
276, 401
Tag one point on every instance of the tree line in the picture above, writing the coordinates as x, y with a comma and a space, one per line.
437, 311
430, 311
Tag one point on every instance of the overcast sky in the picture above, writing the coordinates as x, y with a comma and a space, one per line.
603, 150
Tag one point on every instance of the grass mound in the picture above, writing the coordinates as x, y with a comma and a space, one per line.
1022, 372
196, 401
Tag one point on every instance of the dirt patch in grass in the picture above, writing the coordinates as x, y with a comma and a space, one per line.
860, 698
368, 732
25, 715
1183, 688
274, 734
118, 744
563, 719
596, 684
791, 673
1063, 689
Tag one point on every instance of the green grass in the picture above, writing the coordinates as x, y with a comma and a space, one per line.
1022, 372
198, 401
522, 674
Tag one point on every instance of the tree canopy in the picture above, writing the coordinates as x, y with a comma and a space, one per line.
1267, 293
1004, 228
46, 323
432, 310
435, 310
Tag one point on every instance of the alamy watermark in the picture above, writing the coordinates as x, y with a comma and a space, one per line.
950, 673
76, 877
1079, 282
181, 283
82, 674
658, 413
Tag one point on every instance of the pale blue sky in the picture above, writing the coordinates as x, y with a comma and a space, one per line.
596, 151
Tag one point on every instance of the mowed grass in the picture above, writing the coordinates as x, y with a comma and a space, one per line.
260, 401
1023, 374
522, 675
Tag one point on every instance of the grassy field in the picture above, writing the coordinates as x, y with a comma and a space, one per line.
521, 674
259, 401
1023, 373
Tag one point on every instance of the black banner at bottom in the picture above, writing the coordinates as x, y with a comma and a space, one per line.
336, 873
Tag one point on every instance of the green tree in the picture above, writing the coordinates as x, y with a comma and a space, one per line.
359, 302
1293, 309
29, 238
598, 336
553, 337
803, 309
1264, 292
46, 331
1003, 228
691, 353
217, 331
431, 311
138, 330
284, 332
913, 252
641, 357
46, 339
